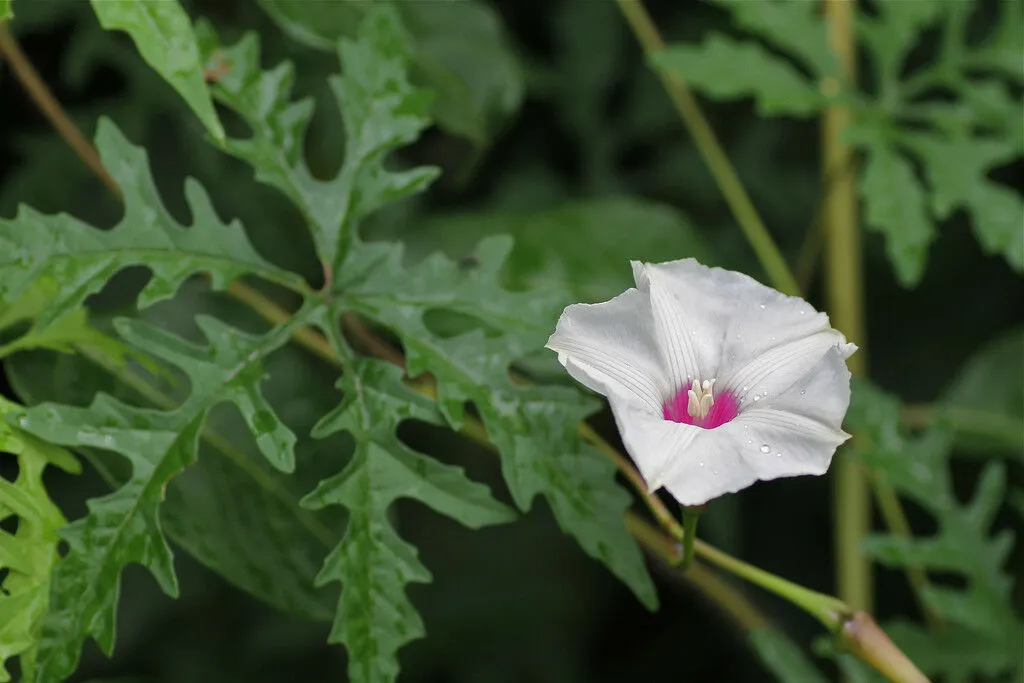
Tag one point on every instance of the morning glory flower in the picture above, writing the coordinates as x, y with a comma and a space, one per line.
715, 380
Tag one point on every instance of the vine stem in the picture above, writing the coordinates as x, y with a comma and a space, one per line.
866, 640
845, 294
711, 151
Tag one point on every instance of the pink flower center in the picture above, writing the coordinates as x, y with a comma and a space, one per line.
682, 408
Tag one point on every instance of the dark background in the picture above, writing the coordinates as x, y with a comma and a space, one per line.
518, 603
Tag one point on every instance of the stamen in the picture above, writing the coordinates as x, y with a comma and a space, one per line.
698, 406
701, 399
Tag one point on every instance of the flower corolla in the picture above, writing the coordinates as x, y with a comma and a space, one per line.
715, 380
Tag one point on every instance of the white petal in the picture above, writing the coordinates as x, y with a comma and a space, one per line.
689, 319
766, 376
610, 348
823, 394
696, 465
652, 442
777, 443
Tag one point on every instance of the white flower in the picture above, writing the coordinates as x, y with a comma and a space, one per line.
715, 380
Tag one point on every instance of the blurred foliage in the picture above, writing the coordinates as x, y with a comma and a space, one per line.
552, 129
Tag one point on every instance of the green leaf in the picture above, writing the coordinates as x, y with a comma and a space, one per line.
958, 116
460, 51
896, 205
793, 26
69, 333
726, 69
957, 140
76, 260
374, 617
782, 657
957, 169
964, 544
124, 526
230, 510
28, 554
381, 112
163, 35
6, 11
535, 429
987, 398
546, 254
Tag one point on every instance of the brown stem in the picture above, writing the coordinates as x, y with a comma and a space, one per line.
51, 109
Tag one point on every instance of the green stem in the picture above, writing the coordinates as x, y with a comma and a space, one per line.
711, 151
830, 611
845, 294
691, 515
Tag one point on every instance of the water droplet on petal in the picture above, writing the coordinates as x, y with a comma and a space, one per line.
779, 454
763, 307
702, 463
745, 388
765, 448
714, 472
756, 398
803, 392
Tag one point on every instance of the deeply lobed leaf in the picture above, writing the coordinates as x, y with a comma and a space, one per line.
535, 428
124, 526
381, 112
28, 554
900, 125
980, 614
75, 260
163, 35
374, 617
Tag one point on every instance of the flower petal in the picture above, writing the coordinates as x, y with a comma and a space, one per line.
766, 376
823, 394
652, 442
797, 433
610, 348
689, 319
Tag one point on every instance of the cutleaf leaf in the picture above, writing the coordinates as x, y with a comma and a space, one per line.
459, 51
534, 428
124, 526
727, 69
988, 631
28, 555
374, 617
76, 260
381, 112
907, 121
162, 32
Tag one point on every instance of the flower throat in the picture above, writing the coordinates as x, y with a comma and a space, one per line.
698, 406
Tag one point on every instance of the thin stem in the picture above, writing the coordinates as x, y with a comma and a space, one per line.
51, 109
657, 508
691, 515
729, 599
844, 289
711, 151
828, 610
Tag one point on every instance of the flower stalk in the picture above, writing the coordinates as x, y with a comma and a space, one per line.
691, 515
